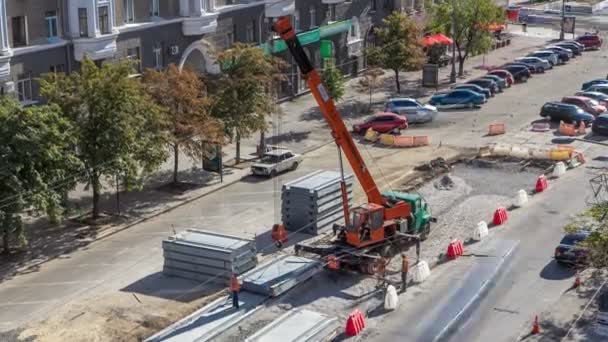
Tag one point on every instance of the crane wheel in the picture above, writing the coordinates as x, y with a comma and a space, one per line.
368, 267
426, 230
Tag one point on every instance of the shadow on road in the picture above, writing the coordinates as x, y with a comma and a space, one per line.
554, 271
172, 288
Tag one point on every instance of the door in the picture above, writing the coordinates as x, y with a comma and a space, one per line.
282, 165
410, 110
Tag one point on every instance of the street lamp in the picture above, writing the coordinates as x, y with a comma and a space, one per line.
453, 73
561, 32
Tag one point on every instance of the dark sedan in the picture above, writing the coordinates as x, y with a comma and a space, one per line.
600, 125
520, 73
530, 67
576, 48
485, 83
567, 113
570, 250
500, 82
474, 87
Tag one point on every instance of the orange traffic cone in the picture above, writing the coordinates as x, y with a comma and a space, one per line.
535, 327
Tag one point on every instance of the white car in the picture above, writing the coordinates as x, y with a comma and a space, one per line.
538, 63
547, 55
412, 109
276, 161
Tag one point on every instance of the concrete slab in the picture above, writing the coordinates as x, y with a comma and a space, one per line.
211, 320
280, 275
297, 325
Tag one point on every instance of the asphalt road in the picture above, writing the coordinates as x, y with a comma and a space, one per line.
132, 259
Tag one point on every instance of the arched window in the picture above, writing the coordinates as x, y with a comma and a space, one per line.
354, 33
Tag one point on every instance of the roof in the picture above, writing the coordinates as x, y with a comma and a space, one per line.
402, 99
580, 98
384, 114
596, 93
277, 152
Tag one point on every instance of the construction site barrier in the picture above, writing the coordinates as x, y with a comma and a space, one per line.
539, 154
541, 127
421, 141
371, 135
501, 150
387, 139
500, 216
455, 249
559, 169
481, 231
520, 152
582, 129
567, 129
559, 154
391, 300
355, 323
568, 148
404, 141
496, 129
576, 160
420, 271
521, 198
541, 183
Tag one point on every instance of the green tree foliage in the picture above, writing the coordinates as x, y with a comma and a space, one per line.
398, 46
243, 98
472, 19
182, 96
38, 163
118, 128
333, 80
596, 220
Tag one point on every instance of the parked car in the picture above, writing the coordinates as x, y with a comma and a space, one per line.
276, 161
563, 54
504, 74
588, 84
547, 55
412, 109
576, 48
530, 68
500, 82
485, 83
591, 41
588, 105
474, 87
382, 123
538, 63
520, 73
568, 113
599, 97
569, 251
600, 88
458, 98
600, 125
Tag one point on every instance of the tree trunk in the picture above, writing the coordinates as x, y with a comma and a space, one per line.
371, 91
96, 191
262, 143
397, 81
175, 162
238, 149
5, 239
461, 66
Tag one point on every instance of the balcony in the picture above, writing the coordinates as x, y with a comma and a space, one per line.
355, 47
279, 8
198, 25
5, 67
100, 47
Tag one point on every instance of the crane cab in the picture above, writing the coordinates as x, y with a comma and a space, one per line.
366, 225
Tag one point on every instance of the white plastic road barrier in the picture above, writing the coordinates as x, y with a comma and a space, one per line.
539, 154
481, 231
559, 169
392, 299
520, 152
420, 271
501, 150
521, 198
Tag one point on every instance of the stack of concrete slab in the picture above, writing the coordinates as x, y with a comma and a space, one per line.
279, 275
297, 325
314, 202
207, 256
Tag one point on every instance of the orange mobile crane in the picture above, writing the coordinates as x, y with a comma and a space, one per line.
387, 217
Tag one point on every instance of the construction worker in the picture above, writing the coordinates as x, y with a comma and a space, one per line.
234, 288
417, 250
381, 270
405, 267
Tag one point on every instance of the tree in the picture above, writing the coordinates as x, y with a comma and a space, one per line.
118, 128
594, 219
472, 20
182, 96
244, 100
399, 47
371, 80
333, 80
38, 164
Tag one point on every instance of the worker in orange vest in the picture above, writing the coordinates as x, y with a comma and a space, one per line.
381, 269
405, 267
234, 288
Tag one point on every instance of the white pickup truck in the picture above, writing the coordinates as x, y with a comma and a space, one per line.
276, 161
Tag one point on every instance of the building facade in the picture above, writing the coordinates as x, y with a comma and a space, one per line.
38, 37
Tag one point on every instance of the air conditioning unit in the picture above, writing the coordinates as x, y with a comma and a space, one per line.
174, 50
9, 87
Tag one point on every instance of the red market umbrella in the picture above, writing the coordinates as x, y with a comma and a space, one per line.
438, 38
429, 41
443, 39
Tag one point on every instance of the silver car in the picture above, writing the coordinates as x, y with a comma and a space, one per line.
412, 109
538, 63
547, 55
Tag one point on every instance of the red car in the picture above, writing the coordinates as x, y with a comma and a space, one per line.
591, 41
504, 74
588, 105
382, 123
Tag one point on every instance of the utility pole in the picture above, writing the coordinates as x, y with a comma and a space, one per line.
453, 73
561, 32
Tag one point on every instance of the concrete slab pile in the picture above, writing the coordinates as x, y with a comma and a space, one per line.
314, 202
297, 325
207, 256
279, 275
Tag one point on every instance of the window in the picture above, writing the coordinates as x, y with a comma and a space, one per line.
83, 22
24, 89
250, 32
373, 5
296, 21
229, 40
158, 56
104, 20
19, 31
331, 12
208, 5
154, 8
51, 24
133, 56
129, 12
387, 4
313, 16
57, 68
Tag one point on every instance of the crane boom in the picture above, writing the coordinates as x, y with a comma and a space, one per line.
339, 131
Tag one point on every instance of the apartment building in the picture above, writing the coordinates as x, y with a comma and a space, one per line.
41, 36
